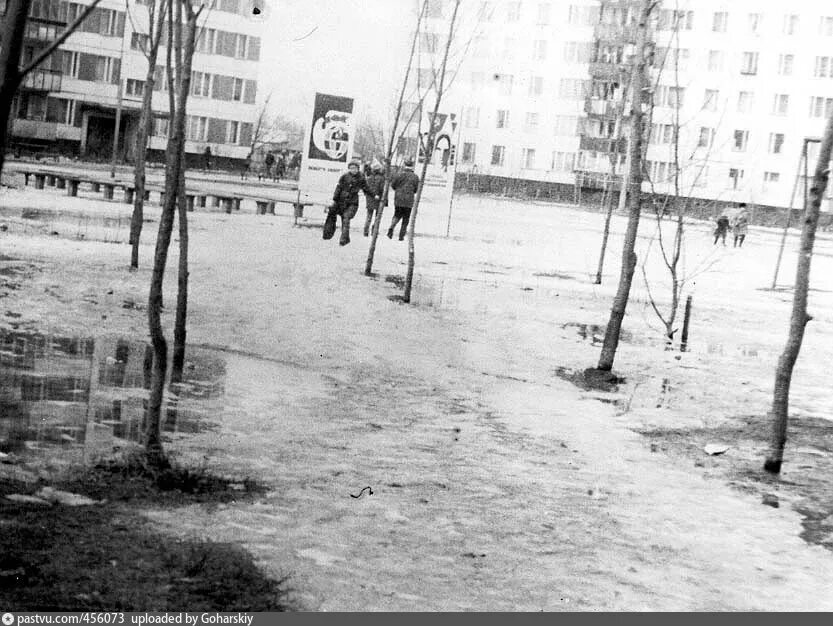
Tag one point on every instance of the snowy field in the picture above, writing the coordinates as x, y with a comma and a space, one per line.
496, 485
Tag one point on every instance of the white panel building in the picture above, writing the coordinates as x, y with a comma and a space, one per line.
70, 101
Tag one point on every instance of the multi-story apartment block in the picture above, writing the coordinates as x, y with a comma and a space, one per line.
70, 101
736, 86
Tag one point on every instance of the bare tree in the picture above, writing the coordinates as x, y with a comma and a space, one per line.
620, 301
174, 186
440, 87
11, 45
799, 317
156, 18
369, 138
374, 234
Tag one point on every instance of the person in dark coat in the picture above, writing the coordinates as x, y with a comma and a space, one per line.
280, 167
268, 162
373, 197
346, 199
722, 229
406, 185
206, 158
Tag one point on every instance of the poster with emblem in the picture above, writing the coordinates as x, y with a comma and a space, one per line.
439, 178
328, 147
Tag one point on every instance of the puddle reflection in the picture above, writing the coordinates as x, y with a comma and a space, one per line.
73, 399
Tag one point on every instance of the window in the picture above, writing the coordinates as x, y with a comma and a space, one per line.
734, 177
531, 121
543, 14
706, 138
237, 93
59, 110
573, 88
469, 151
716, 60
69, 63
139, 41
133, 87
536, 85
563, 161
826, 26
771, 178
201, 84
740, 140
823, 68
821, 107
776, 143
242, 46
566, 125
539, 50
710, 100
669, 96
513, 11
233, 132
577, 52
583, 15
790, 24
749, 63
504, 83
502, 119
785, 64
472, 117
197, 128
205, 40
668, 19
528, 159
160, 126
429, 42
780, 104
754, 22
720, 22
498, 154
745, 101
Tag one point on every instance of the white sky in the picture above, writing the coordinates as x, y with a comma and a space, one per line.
355, 48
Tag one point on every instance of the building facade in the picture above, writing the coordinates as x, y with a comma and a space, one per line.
69, 103
737, 86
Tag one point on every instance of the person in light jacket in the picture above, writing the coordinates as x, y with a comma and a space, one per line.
406, 186
741, 225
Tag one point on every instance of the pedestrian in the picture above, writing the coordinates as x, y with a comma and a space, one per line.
247, 164
345, 202
376, 187
280, 167
406, 185
268, 162
741, 225
722, 228
206, 158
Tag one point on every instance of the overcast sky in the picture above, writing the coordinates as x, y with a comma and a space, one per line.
345, 47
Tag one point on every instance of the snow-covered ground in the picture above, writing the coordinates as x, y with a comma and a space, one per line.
496, 485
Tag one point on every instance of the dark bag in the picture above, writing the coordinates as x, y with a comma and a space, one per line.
330, 225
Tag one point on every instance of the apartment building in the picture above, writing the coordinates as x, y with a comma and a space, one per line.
70, 101
741, 83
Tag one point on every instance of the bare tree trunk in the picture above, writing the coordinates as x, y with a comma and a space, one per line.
143, 131
173, 179
620, 301
608, 215
429, 149
178, 361
799, 318
374, 233
11, 44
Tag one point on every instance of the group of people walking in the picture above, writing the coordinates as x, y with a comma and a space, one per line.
405, 184
739, 225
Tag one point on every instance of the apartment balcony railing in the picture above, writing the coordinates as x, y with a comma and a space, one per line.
606, 109
42, 31
608, 71
615, 33
602, 144
42, 80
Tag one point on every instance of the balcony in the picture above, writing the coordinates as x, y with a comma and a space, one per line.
606, 109
42, 80
607, 71
615, 33
602, 144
